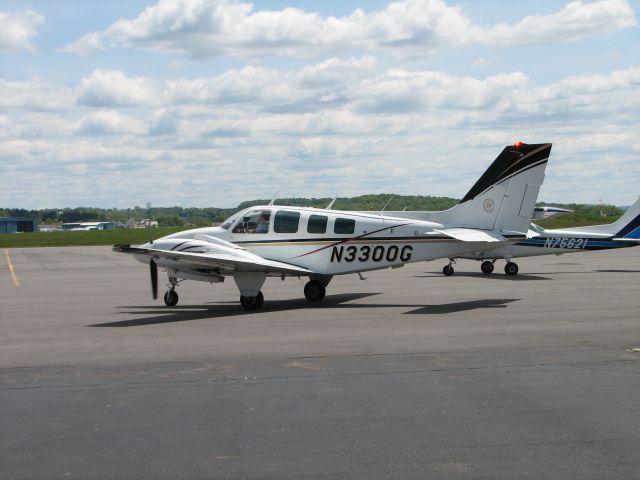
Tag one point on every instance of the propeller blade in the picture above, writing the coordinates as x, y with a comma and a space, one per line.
153, 270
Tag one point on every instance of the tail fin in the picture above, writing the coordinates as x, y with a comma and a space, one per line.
627, 226
504, 197
629, 223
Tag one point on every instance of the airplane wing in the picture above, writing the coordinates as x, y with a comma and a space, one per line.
472, 235
226, 263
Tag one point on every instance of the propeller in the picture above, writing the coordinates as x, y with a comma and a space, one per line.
153, 270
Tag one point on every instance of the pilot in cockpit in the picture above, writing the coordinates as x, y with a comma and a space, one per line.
263, 223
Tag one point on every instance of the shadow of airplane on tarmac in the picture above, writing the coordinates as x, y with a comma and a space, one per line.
493, 276
186, 313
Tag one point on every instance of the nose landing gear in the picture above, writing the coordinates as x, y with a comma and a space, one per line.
171, 296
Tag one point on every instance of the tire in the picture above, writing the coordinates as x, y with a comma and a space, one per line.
448, 270
511, 268
252, 303
171, 298
314, 290
487, 267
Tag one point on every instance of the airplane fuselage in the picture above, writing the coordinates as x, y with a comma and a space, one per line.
327, 242
553, 242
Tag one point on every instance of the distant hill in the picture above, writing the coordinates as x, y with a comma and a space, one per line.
180, 216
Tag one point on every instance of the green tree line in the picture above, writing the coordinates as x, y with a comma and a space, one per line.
181, 216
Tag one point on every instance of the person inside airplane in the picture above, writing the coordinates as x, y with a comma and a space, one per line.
263, 223
256, 221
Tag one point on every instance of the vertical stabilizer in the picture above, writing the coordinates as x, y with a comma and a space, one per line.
627, 226
503, 198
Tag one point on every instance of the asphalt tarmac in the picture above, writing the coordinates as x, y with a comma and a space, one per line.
408, 374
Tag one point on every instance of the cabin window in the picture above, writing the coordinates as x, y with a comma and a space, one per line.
344, 226
317, 224
255, 221
286, 222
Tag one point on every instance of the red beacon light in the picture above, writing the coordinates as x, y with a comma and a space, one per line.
518, 145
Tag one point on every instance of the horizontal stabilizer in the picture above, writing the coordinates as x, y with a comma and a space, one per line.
472, 235
543, 213
627, 240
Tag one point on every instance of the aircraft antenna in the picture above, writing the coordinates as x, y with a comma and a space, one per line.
331, 203
273, 200
386, 204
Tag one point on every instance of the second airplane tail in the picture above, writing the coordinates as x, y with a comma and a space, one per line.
626, 227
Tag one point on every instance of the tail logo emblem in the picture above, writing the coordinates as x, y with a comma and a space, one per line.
488, 205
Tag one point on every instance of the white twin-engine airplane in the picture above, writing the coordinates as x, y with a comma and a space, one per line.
280, 241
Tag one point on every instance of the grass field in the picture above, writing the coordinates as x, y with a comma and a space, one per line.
92, 237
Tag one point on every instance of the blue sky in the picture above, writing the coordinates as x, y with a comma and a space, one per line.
211, 102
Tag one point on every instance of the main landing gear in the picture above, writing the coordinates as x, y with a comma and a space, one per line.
315, 290
511, 268
252, 303
487, 267
448, 269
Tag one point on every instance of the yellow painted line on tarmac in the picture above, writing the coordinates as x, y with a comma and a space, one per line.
16, 282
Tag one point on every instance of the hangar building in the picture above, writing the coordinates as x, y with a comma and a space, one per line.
18, 224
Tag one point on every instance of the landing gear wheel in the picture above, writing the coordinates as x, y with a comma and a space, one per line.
487, 267
511, 268
171, 298
448, 270
314, 290
252, 303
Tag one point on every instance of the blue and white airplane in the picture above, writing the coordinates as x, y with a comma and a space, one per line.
624, 232
283, 241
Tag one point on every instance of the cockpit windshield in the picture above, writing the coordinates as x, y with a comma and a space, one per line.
254, 221
228, 222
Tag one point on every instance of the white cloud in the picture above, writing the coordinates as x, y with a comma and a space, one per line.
35, 94
575, 21
109, 122
361, 127
18, 29
112, 87
207, 28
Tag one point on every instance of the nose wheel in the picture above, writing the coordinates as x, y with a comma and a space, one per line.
171, 298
